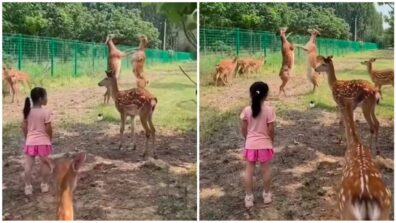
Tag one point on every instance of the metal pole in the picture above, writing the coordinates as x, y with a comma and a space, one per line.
164, 36
19, 51
237, 41
75, 59
52, 57
355, 26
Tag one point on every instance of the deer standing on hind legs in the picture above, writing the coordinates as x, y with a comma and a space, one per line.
133, 102
65, 172
311, 50
361, 92
114, 63
379, 77
138, 61
363, 194
287, 61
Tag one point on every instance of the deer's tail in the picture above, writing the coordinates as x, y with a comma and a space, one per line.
366, 209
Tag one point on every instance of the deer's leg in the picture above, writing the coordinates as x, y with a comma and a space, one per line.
375, 126
152, 130
143, 119
366, 108
133, 132
122, 128
340, 124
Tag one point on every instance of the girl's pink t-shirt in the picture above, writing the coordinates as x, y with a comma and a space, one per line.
36, 135
258, 134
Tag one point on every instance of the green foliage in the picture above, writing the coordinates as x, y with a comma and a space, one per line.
83, 21
335, 20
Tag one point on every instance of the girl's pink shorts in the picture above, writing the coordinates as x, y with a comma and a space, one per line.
261, 155
43, 150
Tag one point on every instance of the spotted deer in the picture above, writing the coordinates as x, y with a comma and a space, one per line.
361, 92
133, 102
225, 70
379, 77
287, 60
311, 50
363, 194
13, 77
65, 172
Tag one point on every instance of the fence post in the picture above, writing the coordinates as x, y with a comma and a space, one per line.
52, 57
75, 59
93, 58
238, 42
19, 51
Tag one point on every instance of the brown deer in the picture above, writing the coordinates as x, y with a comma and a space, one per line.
363, 194
133, 102
139, 57
311, 50
379, 77
12, 78
65, 172
361, 92
287, 60
225, 70
258, 63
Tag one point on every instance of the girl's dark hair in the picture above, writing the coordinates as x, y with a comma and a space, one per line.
258, 93
35, 95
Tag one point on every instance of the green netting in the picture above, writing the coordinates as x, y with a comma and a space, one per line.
238, 41
42, 55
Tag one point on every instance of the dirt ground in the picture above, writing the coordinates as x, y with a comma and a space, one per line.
307, 164
113, 184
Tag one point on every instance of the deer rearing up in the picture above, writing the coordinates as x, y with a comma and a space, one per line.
311, 50
65, 173
133, 102
139, 58
225, 70
363, 194
379, 77
287, 60
360, 92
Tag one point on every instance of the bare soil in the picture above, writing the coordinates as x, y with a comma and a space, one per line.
113, 184
308, 160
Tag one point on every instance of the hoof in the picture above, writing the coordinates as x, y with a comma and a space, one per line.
144, 155
155, 156
377, 152
134, 147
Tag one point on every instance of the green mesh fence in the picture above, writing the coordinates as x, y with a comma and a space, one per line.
43, 55
238, 41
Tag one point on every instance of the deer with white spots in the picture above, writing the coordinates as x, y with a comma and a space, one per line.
363, 194
361, 92
379, 77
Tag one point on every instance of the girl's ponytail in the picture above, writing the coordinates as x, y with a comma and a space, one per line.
258, 93
26, 108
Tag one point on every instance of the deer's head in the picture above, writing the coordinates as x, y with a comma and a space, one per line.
143, 40
106, 82
283, 30
313, 32
371, 60
324, 63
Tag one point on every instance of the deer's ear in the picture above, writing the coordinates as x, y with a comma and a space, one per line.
319, 57
330, 57
373, 59
78, 161
109, 72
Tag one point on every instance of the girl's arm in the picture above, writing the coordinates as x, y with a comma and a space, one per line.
271, 130
244, 125
24, 128
48, 130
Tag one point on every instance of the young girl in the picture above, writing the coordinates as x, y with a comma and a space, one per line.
258, 122
37, 130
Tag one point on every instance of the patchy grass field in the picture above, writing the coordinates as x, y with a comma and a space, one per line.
308, 160
114, 185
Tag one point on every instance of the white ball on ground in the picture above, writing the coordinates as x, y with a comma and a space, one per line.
100, 117
311, 104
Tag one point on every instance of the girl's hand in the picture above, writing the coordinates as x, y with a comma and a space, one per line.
24, 128
48, 129
244, 127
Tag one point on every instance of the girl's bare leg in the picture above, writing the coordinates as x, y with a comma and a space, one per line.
248, 178
266, 171
29, 161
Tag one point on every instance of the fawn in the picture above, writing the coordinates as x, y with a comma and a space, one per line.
287, 60
379, 77
132, 102
363, 194
311, 50
12, 78
361, 92
225, 70
65, 171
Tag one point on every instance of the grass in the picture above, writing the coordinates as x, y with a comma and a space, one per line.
347, 67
